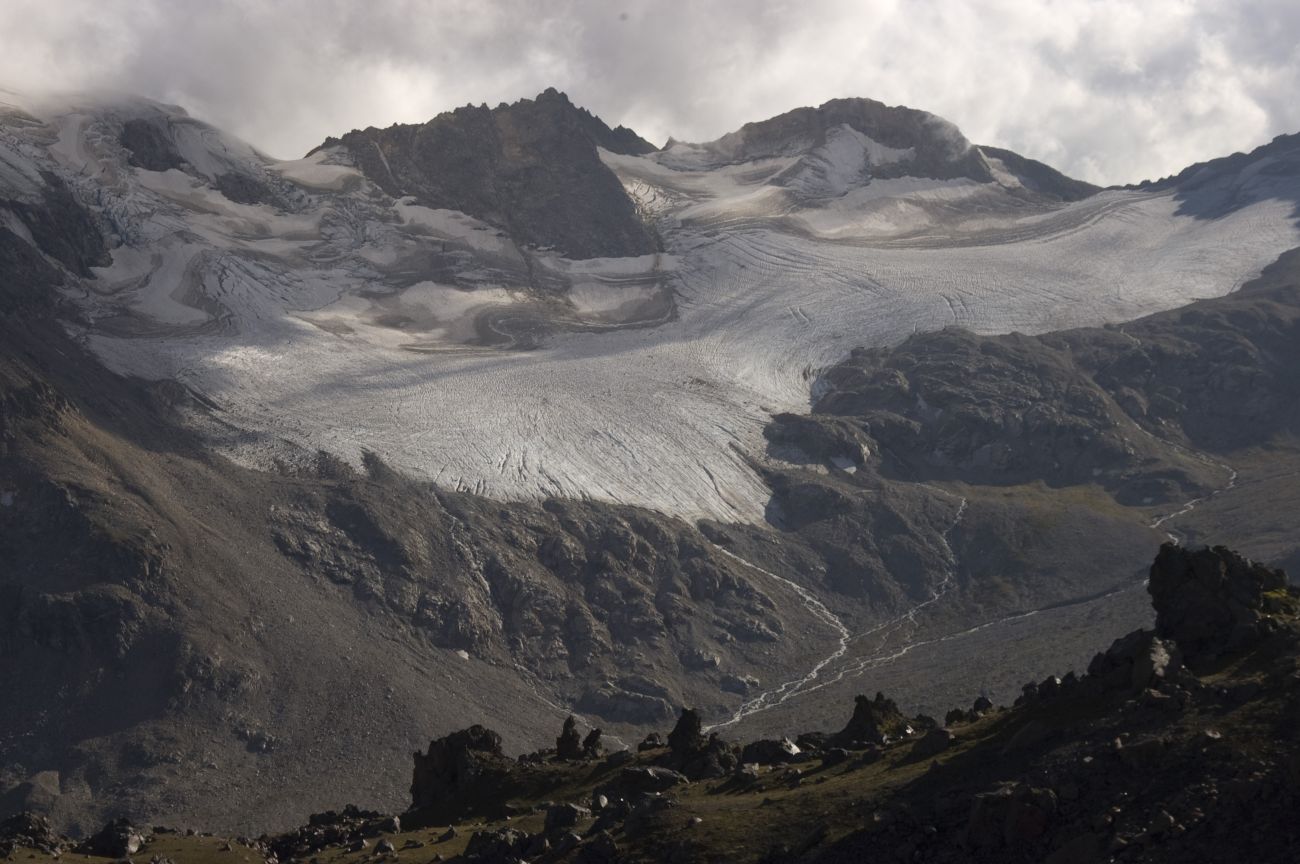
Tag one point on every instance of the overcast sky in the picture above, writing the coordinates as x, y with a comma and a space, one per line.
1107, 91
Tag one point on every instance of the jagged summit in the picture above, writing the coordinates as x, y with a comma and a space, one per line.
531, 168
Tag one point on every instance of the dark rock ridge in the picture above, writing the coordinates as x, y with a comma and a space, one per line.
530, 168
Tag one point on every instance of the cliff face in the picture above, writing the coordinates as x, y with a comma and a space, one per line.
531, 168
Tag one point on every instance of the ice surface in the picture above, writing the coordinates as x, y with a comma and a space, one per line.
348, 322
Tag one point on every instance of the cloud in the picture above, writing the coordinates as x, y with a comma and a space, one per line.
1108, 91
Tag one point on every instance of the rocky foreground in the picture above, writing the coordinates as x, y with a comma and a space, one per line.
1178, 744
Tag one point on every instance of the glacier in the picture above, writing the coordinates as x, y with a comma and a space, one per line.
331, 317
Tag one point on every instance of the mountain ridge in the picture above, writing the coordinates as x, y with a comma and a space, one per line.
637, 503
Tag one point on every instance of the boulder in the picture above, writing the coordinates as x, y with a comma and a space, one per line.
933, 743
812, 740
653, 741
834, 756
619, 758
770, 752
569, 744
687, 737
460, 768
562, 816
117, 839
652, 779
1211, 600
874, 721
591, 746
500, 845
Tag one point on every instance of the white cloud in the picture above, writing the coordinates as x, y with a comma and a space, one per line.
1109, 91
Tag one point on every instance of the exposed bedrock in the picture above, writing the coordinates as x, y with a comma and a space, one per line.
530, 168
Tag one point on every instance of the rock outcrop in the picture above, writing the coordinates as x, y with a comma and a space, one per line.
530, 168
460, 768
1212, 600
569, 744
874, 721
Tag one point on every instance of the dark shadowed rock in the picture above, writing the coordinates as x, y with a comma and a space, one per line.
650, 779
873, 721
1211, 600
770, 752
563, 816
29, 831
27, 280
455, 764
569, 744
333, 828
933, 743
1013, 815
496, 846
530, 168
117, 839
149, 146
687, 739
62, 227
653, 741
592, 748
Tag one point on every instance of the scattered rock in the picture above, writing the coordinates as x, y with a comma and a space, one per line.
30, 831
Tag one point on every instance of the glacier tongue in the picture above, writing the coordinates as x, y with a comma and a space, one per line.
331, 317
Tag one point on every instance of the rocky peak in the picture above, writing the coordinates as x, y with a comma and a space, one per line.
531, 168
1212, 600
